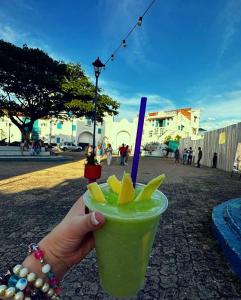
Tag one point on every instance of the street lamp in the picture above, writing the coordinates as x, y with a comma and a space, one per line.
9, 132
50, 130
98, 65
70, 114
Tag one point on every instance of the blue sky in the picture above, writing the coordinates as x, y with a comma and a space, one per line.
187, 53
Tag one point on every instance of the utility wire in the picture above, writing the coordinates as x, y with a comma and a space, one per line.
123, 43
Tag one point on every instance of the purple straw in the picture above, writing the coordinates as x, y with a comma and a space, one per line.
138, 140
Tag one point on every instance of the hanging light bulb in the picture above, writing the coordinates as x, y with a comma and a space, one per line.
124, 43
112, 57
139, 21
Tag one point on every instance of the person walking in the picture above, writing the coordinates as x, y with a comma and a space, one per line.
128, 151
177, 156
200, 154
189, 159
108, 152
122, 152
99, 153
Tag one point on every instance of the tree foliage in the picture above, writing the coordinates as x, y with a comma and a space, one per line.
177, 138
81, 92
34, 86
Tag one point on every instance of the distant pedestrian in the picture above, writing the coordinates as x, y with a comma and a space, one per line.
185, 156
177, 156
99, 153
36, 148
215, 160
189, 159
122, 152
22, 147
128, 151
89, 150
200, 154
108, 152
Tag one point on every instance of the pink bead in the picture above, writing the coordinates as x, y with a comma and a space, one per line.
58, 291
53, 281
39, 254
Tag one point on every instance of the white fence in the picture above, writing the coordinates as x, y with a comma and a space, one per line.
210, 144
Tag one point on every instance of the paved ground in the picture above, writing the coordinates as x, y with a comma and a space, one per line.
186, 262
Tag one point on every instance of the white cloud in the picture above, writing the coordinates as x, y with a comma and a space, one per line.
10, 34
14, 36
230, 20
221, 110
130, 102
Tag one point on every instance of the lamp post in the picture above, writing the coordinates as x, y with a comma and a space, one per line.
72, 123
50, 130
98, 65
9, 132
70, 114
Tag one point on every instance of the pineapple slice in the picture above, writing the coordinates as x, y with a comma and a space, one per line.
127, 190
96, 192
150, 188
114, 184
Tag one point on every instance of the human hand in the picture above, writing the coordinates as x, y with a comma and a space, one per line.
69, 242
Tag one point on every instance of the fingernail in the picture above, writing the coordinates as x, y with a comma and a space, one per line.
94, 219
97, 218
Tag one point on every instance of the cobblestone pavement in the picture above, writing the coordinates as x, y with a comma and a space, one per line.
186, 262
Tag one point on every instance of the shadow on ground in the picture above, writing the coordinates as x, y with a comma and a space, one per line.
10, 169
186, 262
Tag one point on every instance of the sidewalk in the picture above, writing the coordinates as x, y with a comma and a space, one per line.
186, 262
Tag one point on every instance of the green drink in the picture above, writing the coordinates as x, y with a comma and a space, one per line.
124, 243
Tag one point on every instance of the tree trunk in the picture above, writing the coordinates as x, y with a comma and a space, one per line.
25, 128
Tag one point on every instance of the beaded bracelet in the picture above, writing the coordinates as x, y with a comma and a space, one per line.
18, 280
46, 268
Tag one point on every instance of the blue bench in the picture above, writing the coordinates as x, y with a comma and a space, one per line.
226, 224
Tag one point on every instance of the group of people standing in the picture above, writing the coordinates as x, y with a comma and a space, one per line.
34, 147
124, 152
188, 156
100, 151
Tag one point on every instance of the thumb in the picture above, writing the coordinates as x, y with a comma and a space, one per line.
88, 223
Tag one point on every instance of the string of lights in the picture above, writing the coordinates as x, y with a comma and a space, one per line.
123, 43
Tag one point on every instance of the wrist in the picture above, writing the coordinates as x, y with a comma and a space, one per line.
58, 267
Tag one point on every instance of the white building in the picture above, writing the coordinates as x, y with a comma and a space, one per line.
55, 130
157, 127
182, 122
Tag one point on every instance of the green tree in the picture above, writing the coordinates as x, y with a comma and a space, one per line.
177, 138
167, 139
34, 86
80, 92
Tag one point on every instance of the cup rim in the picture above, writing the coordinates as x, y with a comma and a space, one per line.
158, 212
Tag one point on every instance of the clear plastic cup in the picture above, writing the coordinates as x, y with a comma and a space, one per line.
123, 247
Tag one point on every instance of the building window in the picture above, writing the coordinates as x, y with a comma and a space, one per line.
179, 127
59, 125
88, 121
58, 140
99, 130
195, 119
73, 127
